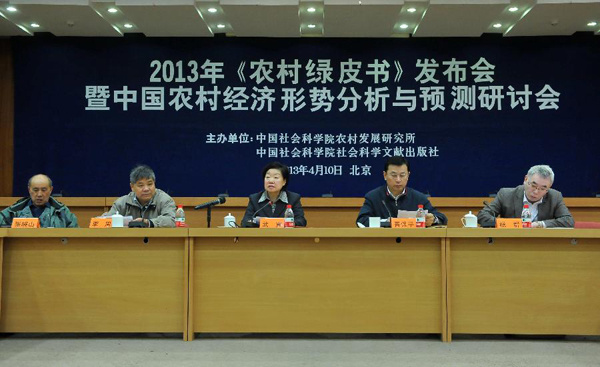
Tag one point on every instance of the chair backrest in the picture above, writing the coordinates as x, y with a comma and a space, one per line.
587, 224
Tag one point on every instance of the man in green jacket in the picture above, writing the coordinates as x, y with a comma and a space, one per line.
40, 204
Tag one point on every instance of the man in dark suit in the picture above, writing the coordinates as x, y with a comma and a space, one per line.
386, 200
547, 206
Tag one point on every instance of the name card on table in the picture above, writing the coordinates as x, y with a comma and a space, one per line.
101, 223
404, 223
25, 223
511, 223
272, 223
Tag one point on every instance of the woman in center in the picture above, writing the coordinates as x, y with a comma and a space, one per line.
272, 202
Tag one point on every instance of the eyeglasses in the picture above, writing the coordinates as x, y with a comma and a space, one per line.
401, 176
535, 187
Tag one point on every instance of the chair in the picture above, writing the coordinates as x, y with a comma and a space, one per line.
587, 225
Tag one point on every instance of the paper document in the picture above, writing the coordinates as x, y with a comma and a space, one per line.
409, 213
126, 219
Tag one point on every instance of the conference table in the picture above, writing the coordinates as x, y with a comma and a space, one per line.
94, 280
443, 281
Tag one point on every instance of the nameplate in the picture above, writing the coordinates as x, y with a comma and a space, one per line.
101, 223
403, 223
272, 223
510, 223
25, 223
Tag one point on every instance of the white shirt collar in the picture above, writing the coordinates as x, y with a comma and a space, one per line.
526, 201
392, 195
282, 196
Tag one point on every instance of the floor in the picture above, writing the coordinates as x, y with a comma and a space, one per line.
331, 350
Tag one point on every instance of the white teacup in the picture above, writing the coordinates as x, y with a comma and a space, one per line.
469, 220
117, 220
374, 222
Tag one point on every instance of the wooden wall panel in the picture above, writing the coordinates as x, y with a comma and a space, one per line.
6, 118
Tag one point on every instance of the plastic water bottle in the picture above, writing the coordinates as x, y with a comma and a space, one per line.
179, 216
420, 217
526, 216
288, 217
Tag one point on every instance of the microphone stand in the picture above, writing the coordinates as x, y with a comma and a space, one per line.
208, 215
208, 207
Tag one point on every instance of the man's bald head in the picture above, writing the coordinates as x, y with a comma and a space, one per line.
39, 178
40, 189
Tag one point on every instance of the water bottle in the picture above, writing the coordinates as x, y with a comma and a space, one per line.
420, 217
288, 217
179, 216
526, 216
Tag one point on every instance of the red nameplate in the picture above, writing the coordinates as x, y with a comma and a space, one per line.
510, 223
25, 223
404, 223
101, 223
272, 223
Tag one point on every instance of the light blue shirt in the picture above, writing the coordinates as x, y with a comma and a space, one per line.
533, 208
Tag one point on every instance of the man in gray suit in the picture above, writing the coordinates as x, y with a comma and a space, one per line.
547, 206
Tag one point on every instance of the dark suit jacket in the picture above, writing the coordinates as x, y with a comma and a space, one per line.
262, 209
509, 204
379, 204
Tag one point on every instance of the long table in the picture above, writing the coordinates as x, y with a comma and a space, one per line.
305, 280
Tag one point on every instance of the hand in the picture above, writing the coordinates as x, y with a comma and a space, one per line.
537, 225
429, 220
146, 221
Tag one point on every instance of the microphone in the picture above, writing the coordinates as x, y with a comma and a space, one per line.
256, 212
386, 208
486, 205
218, 201
488, 224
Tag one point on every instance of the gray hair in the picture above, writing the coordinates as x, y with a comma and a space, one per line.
141, 171
40, 174
542, 170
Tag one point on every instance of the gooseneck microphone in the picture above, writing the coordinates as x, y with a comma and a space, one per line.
386, 208
261, 208
487, 205
251, 220
218, 201
492, 223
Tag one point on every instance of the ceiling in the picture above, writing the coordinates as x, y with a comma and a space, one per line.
298, 18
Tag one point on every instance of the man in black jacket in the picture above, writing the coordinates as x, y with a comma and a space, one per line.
386, 200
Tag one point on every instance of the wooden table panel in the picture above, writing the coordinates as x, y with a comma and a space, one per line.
290, 284
1, 266
536, 283
93, 284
